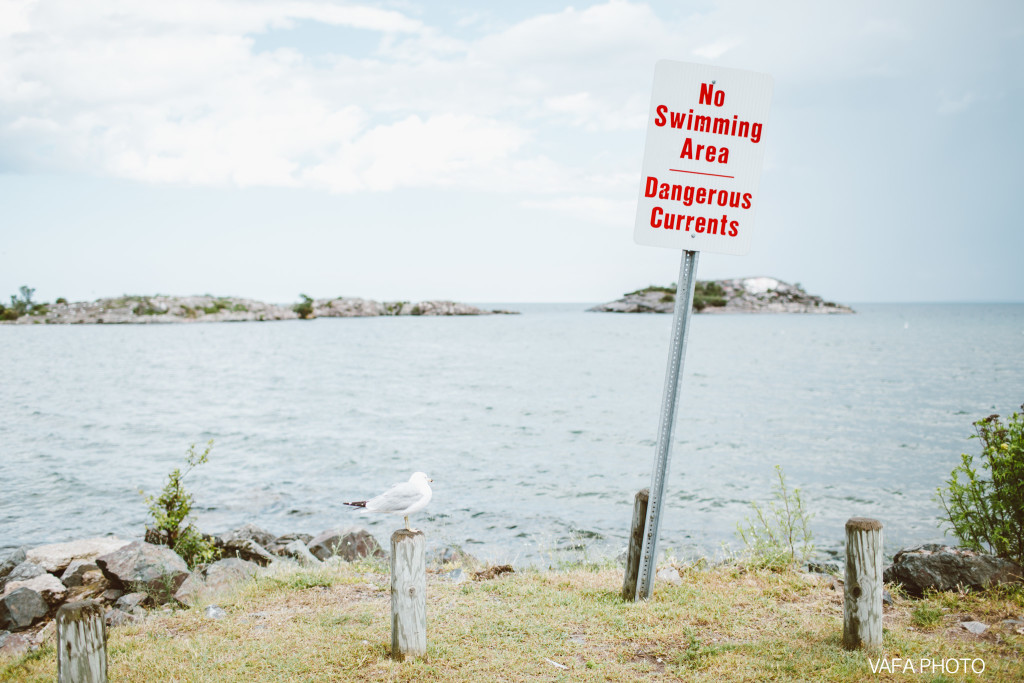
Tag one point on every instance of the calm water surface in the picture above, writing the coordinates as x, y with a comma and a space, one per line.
537, 429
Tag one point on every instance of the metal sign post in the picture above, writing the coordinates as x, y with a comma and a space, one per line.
702, 164
669, 402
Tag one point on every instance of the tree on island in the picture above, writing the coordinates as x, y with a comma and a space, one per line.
22, 305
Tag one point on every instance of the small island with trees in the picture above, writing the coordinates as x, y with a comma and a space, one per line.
738, 295
207, 308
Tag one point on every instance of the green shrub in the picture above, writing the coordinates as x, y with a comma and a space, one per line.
61, 300
778, 536
304, 308
170, 513
986, 508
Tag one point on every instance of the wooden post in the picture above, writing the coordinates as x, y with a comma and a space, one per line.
636, 543
81, 643
862, 604
408, 594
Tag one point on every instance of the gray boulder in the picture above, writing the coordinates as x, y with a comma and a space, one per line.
75, 574
351, 544
14, 644
46, 585
297, 550
23, 572
282, 542
7, 565
21, 608
249, 550
247, 532
118, 617
215, 580
55, 557
142, 566
129, 601
944, 568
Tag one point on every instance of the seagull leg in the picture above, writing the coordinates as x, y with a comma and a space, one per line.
407, 523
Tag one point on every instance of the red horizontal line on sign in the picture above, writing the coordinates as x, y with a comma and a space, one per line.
717, 175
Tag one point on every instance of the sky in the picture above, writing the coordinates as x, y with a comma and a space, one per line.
491, 152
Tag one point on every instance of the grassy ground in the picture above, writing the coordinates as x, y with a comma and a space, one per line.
724, 623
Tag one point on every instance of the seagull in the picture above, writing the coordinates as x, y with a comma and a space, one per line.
401, 499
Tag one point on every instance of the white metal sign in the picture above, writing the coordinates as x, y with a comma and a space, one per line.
702, 158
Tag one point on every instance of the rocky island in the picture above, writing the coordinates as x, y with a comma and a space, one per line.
207, 308
738, 295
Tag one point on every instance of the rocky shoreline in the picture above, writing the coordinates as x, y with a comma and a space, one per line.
134, 580
195, 309
738, 295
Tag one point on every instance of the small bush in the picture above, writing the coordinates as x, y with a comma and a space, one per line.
986, 508
170, 512
778, 536
304, 308
61, 300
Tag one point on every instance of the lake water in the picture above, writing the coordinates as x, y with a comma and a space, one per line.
537, 429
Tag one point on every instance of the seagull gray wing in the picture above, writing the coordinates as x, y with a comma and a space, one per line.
397, 498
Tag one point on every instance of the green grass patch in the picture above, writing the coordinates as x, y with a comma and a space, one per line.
724, 623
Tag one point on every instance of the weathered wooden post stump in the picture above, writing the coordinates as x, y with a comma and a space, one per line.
81, 643
636, 544
408, 594
862, 604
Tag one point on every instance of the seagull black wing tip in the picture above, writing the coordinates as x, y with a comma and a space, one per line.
357, 504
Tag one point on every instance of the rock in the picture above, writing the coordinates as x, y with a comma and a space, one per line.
455, 576
56, 557
297, 550
453, 555
282, 542
21, 608
13, 559
23, 572
14, 644
247, 549
118, 617
975, 627
886, 597
214, 612
129, 601
830, 568
215, 580
944, 568
111, 595
46, 585
140, 565
247, 532
351, 544
668, 575
77, 571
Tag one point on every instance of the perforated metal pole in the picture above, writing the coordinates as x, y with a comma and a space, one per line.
680, 328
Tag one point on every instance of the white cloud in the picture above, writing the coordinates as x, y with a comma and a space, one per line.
175, 92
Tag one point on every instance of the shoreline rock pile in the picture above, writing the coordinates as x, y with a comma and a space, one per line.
128, 578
